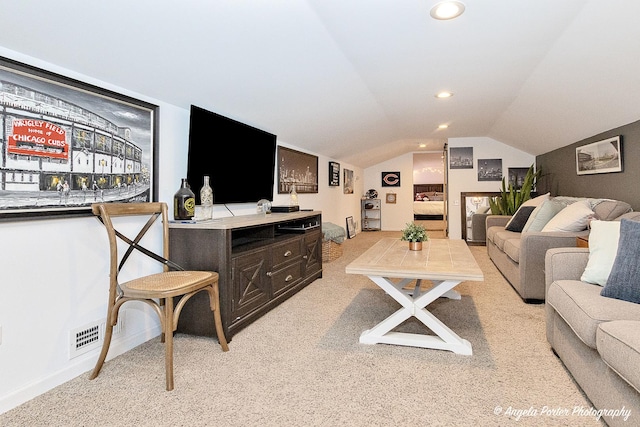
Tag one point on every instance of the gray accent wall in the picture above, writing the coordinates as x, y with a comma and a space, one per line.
559, 175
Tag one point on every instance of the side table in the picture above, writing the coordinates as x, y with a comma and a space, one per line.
582, 242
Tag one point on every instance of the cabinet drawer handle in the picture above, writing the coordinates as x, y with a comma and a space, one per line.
288, 253
289, 277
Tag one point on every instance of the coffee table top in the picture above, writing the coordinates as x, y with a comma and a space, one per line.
439, 259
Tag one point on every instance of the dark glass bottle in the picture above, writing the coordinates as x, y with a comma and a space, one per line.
184, 202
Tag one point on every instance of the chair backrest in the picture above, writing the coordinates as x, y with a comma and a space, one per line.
153, 210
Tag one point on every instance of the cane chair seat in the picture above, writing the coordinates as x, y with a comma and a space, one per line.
157, 290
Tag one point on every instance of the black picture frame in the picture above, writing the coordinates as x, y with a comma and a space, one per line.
599, 157
297, 168
351, 227
391, 179
517, 176
61, 135
334, 174
489, 169
461, 158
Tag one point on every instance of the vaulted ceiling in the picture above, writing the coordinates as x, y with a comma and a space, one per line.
355, 80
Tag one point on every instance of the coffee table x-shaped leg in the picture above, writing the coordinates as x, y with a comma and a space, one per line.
413, 303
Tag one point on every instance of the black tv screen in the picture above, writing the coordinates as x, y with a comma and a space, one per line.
239, 159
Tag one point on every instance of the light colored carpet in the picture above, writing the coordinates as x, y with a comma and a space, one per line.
302, 365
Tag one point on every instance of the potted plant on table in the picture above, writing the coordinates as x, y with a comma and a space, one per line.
415, 234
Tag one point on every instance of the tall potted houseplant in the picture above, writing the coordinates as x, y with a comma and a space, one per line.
415, 234
511, 198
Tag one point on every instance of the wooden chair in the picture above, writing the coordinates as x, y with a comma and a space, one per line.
157, 290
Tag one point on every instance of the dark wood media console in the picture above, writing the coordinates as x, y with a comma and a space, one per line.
262, 260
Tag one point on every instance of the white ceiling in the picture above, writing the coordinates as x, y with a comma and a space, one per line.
355, 80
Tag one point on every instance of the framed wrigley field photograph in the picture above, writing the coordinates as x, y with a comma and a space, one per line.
599, 157
67, 144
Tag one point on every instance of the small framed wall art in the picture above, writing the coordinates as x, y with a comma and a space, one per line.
348, 181
391, 197
517, 176
461, 158
334, 174
391, 179
489, 169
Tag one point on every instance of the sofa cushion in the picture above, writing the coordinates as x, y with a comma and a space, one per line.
603, 246
608, 210
491, 232
512, 249
501, 235
519, 219
624, 280
582, 307
618, 344
574, 217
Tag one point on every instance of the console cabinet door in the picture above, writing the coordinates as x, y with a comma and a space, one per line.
250, 283
312, 261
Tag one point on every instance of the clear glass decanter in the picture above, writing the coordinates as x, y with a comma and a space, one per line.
206, 199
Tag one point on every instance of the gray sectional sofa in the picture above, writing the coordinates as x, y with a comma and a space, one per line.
520, 256
596, 337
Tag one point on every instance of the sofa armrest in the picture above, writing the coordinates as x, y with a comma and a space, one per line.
478, 227
564, 264
497, 220
533, 248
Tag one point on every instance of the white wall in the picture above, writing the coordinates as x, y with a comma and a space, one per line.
55, 272
466, 180
428, 168
394, 216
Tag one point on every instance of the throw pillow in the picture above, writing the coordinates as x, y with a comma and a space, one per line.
603, 246
624, 279
536, 201
574, 217
517, 222
542, 215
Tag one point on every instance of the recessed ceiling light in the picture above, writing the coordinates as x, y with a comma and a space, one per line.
447, 10
444, 94
443, 126
422, 145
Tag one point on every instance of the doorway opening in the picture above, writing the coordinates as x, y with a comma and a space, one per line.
430, 192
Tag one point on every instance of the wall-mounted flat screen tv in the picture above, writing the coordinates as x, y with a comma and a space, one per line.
239, 159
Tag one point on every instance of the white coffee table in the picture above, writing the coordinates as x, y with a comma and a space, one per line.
391, 265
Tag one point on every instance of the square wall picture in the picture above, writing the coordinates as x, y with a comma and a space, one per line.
489, 169
391, 179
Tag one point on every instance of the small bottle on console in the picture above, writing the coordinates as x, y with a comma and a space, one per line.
293, 196
206, 199
184, 202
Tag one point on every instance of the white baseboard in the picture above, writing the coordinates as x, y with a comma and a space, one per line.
76, 367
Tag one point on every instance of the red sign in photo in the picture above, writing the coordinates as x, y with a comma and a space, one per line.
34, 137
